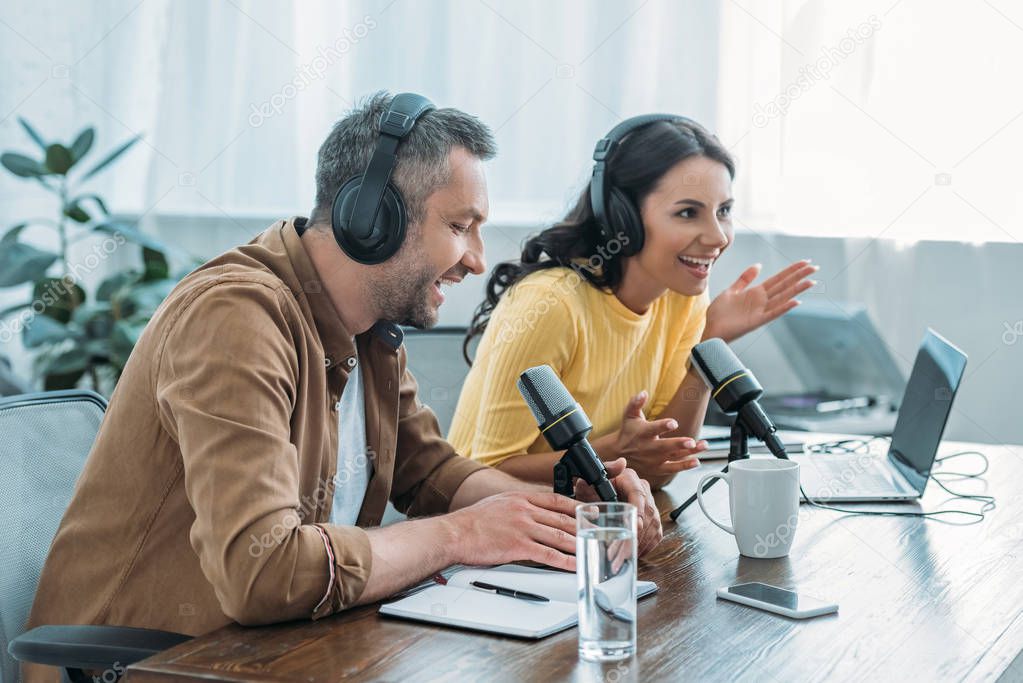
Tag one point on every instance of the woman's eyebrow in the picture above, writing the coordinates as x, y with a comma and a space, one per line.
699, 204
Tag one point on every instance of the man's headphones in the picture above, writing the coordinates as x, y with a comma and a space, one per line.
612, 209
369, 216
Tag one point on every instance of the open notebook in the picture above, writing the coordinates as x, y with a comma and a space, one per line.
459, 604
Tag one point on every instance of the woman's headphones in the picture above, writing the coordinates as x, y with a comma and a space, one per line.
613, 210
369, 216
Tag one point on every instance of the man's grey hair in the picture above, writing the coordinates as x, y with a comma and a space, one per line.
422, 158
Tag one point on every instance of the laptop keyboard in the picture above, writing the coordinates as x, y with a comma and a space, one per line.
848, 474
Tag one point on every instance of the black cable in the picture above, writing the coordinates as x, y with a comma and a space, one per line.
965, 475
863, 446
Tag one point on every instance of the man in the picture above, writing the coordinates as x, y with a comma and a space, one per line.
265, 418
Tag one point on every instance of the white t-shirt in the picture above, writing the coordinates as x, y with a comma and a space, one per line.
353, 465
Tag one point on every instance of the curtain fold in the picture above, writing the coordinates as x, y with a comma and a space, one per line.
234, 96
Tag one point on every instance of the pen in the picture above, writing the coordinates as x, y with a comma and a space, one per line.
509, 592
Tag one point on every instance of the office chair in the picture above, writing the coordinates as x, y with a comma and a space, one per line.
44, 441
435, 360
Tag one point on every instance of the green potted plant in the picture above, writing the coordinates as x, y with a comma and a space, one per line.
72, 333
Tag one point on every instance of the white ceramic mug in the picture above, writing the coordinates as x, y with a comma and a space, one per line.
763, 496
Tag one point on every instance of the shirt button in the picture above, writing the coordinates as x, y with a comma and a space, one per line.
351, 362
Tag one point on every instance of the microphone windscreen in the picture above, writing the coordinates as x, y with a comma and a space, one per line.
715, 361
545, 395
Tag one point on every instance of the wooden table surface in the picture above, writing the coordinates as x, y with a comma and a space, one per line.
918, 600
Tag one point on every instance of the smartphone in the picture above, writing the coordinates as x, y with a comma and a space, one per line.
778, 600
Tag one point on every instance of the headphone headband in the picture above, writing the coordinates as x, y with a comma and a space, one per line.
607, 144
395, 124
604, 148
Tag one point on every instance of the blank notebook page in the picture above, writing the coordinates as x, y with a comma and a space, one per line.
458, 604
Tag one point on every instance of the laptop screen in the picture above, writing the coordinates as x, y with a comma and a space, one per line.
840, 352
926, 404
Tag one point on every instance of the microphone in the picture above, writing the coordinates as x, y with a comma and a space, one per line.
564, 424
736, 391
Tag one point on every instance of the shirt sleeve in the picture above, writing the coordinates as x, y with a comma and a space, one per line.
225, 387
532, 325
427, 471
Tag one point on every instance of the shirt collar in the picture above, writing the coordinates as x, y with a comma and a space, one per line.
337, 341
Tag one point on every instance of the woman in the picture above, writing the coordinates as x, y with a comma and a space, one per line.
613, 298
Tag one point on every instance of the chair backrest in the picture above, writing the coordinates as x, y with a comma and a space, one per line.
435, 360
44, 441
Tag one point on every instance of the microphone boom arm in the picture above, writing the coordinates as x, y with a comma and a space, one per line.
738, 449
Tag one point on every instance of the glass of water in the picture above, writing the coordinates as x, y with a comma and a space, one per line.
605, 559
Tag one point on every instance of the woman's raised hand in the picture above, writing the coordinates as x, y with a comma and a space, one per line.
744, 307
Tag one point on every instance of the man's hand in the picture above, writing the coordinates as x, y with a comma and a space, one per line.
631, 489
516, 525
654, 457
743, 308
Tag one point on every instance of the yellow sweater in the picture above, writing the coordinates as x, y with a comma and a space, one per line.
603, 352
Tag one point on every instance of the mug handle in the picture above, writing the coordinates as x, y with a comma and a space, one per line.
699, 496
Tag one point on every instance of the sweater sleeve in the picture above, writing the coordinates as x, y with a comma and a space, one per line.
532, 325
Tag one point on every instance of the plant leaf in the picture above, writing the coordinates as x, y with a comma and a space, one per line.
58, 300
63, 362
82, 144
123, 338
58, 158
95, 320
110, 158
157, 267
21, 263
21, 165
76, 213
43, 330
142, 239
67, 380
32, 133
98, 349
144, 298
113, 284
13, 309
11, 235
83, 314
94, 197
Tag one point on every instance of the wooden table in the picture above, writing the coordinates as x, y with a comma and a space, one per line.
918, 600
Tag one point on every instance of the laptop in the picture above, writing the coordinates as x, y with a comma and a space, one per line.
837, 351
900, 471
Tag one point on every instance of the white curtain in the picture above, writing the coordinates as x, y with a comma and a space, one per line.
235, 96
892, 118
889, 131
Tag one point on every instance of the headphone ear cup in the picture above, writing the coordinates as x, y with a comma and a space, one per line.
387, 234
624, 218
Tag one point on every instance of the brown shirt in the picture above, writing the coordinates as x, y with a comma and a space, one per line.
206, 495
